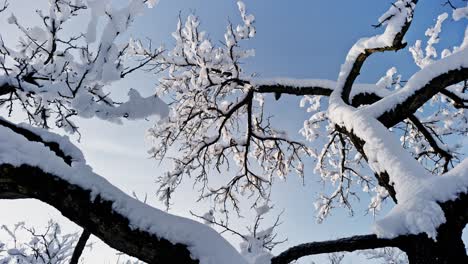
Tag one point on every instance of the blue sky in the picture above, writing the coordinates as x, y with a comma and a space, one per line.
296, 38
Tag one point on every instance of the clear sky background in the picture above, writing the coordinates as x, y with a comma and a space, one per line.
296, 38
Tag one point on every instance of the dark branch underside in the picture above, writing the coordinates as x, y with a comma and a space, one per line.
31, 136
448, 247
345, 244
418, 99
96, 216
292, 90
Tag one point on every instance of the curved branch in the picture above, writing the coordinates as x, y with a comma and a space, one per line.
456, 212
96, 215
395, 113
319, 87
344, 244
356, 69
31, 136
396, 44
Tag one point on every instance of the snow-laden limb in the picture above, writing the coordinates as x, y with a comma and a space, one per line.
419, 211
321, 87
383, 151
60, 145
418, 89
422, 213
397, 21
17, 154
53, 77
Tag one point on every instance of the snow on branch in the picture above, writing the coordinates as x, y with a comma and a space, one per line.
344, 244
53, 76
31, 170
443, 75
397, 21
310, 87
417, 210
217, 116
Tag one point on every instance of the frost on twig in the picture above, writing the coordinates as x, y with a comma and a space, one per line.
217, 121
256, 245
53, 76
47, 247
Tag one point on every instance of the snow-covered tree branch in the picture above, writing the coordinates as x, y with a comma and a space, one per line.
392, 138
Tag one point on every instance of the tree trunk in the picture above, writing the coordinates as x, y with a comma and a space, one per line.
426, 251
448, 247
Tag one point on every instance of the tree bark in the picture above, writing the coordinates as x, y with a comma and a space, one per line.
98, 217
344, 244
424, 250
95, 215
448, 247
420, 249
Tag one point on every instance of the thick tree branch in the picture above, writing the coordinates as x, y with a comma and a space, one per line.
397, 44
31, 136
95, 215
437, 84
99, 218
344, 244
293, 90
356, 69
455, 211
